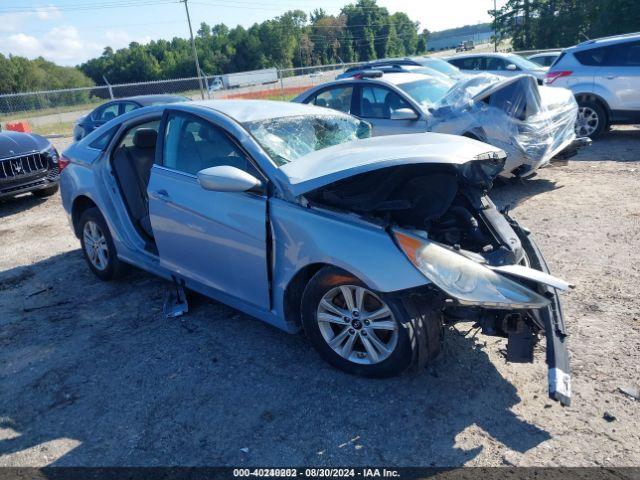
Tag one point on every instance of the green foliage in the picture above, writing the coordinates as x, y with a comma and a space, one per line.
363, 31
18, 74
539, 24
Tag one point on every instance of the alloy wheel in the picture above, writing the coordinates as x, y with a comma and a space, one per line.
357, 324
587, 121
95, 245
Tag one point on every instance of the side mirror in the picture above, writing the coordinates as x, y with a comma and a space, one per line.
226, 179
403, 114
364, 130
511, 67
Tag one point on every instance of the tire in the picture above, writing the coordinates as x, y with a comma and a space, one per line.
410, 339
592, 118
46, 192
105, 265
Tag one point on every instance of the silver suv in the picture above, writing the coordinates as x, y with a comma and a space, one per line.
604, 75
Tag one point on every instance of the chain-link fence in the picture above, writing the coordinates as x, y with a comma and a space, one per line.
55, 111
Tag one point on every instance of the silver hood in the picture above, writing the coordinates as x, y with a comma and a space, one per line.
332, 164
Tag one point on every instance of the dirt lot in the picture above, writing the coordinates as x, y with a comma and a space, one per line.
91, 374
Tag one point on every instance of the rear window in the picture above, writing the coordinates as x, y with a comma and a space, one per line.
560, 57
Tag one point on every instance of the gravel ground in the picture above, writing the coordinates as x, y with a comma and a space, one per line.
91, 374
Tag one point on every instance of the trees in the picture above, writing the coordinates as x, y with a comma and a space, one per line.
538, 24
18, 74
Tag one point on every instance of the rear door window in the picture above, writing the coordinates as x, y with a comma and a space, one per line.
495, 63
128, 106
337, 98
624, 55
106, 112
468, 63
379, 102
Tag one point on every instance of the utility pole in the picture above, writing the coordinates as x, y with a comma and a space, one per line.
495, 26
193, 45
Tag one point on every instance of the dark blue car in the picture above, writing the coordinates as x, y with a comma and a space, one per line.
28, 163
115, 108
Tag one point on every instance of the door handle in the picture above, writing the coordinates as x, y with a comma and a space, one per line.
611, 77
163, 195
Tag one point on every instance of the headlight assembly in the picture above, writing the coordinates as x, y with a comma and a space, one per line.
52, 153
469, 282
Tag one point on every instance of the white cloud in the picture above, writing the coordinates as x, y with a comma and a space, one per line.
117, 38
61, 45
50, 12
12, 22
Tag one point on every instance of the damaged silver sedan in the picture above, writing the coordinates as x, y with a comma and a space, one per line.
292, 214
532, 124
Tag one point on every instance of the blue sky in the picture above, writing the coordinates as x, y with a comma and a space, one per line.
71, 31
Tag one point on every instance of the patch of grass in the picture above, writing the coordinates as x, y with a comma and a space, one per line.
27, 114
59, 128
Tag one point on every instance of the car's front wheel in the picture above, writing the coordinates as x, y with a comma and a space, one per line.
98, 247
358, 331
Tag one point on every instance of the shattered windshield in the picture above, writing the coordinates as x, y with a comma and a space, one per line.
428, 91
286, 139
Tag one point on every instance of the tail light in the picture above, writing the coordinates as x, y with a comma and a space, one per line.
551, 77
63, 162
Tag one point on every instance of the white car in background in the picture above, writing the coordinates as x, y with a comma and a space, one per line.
604, 76
531, 123
503, 64
544, 59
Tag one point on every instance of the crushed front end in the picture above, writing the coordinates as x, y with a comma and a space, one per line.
486, 266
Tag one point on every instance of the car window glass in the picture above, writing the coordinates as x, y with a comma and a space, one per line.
623, 55
103, 140
127, 140
192, 144
470, 63
128, 106
380, 102
495, 63
336, 98
106, 113
592, 57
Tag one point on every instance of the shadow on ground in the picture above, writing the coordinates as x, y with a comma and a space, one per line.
514, 192
92, 372
13, 205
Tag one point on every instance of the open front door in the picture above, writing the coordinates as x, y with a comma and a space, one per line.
217, 239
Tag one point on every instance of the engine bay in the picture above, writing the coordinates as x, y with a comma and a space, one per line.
437, 199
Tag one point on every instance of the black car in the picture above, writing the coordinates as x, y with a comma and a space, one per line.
115, 108
28, 163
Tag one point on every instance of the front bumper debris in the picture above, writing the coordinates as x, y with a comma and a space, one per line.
552, 319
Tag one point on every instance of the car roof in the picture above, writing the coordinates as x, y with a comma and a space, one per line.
257, 110
600, 42
393, 78
146, 100
545, 54
487, 54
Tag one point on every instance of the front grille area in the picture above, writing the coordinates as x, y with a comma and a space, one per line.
14, 168
23, 187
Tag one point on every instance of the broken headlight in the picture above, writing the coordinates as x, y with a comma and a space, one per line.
463, 279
